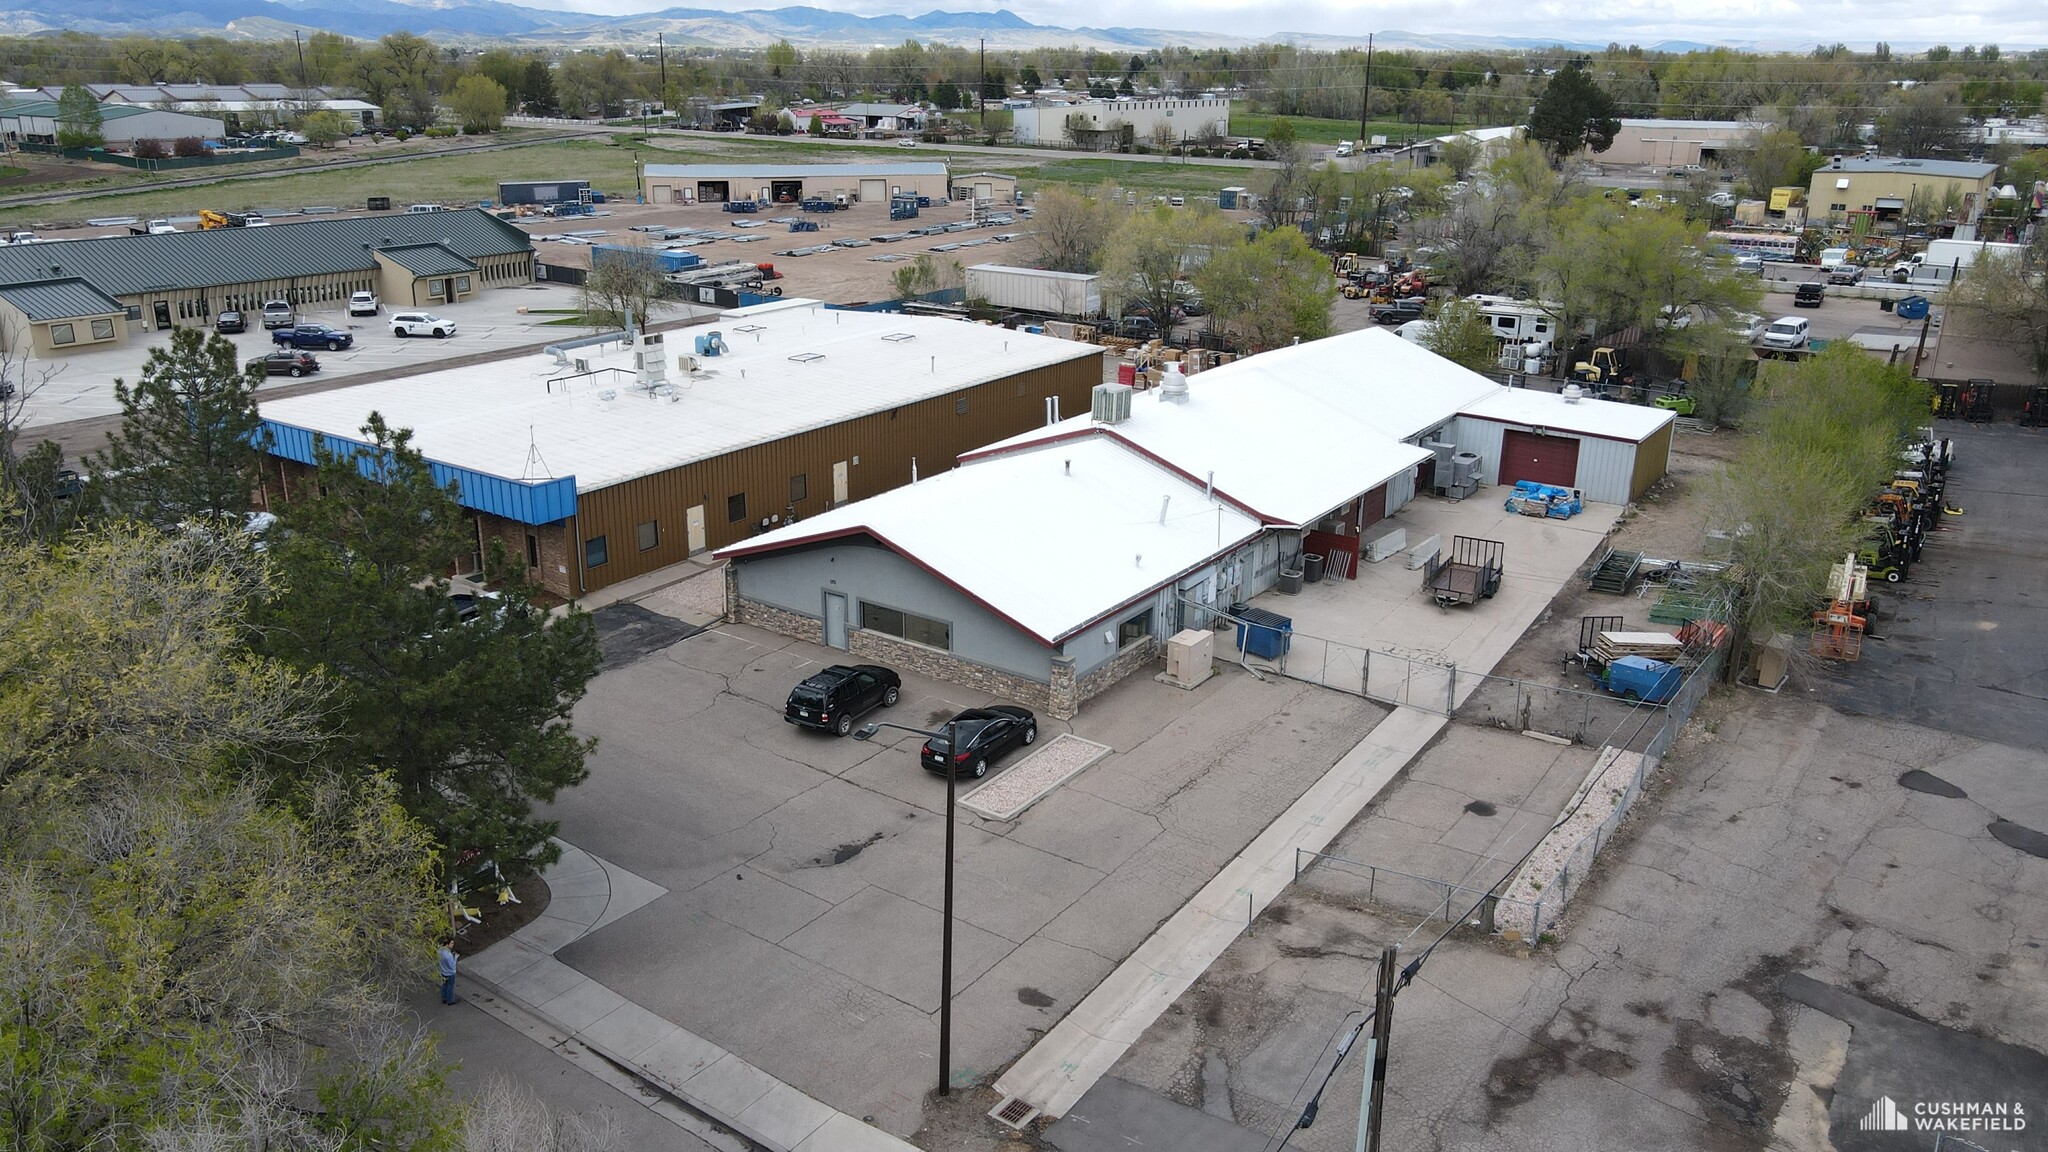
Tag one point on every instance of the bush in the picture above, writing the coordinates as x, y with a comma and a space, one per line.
1142, 149
149, 148
190, 146
400, 135
441, 131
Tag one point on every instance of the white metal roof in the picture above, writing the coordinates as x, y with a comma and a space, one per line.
494, 417
1632, 422
1053, 539
1298, 431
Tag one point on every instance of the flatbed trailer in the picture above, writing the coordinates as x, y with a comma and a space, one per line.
1471, 574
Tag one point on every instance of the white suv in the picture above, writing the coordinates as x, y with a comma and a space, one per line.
421, 324
362, 304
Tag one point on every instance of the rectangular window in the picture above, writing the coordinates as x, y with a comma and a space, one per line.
649, 534
736, 508
799, 488
462, 283
906, 625
62, 334
1133, 630
434, 289
960, 406
595, 552
103, 329
532, 550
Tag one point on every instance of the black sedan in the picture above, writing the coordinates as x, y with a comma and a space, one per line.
285, 364
230, 322
985, 734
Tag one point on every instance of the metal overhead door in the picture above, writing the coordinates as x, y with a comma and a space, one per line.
1545, 459
872, 191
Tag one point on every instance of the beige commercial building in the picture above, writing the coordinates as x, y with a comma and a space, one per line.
1881, 188
1676, 143
769, 182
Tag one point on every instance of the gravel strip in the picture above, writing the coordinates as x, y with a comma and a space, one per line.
1007, 796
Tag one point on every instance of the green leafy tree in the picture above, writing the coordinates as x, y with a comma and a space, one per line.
1029, 80
399, 75
537, 88
80, 123
1460, 154
625, 286
1773, 159
186, 449
1070, 228
925, 275
1825, 434
1268, 292
323, 129
1573, 113
1150, 251
1927, 121
1461, 333
2005, 298
945, 96
471, 720
479, 102
599, 81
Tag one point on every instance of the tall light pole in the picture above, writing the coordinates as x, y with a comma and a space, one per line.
867, 732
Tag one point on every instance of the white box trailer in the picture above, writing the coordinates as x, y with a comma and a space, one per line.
1075, 294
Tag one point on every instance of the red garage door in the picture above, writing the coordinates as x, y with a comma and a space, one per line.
1545, 459
1372, 508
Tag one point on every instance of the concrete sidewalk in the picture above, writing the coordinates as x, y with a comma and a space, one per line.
587, 894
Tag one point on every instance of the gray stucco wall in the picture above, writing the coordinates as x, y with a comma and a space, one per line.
869, 573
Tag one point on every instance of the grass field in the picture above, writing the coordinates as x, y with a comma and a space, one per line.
1314, 130
608, 163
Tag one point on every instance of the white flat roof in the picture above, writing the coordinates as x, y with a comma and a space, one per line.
492, 417
1298, 431
1053, 539
1588, 417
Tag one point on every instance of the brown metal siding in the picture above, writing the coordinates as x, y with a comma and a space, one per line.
1653, 459
933, 431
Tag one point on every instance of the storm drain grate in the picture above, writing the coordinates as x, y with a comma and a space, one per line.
1015, 1111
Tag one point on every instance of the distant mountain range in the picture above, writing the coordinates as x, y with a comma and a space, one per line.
470, 21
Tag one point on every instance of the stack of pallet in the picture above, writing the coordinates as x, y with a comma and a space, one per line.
1611, 646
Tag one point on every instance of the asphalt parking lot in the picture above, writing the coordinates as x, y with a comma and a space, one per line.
1961, 638
81, 387
801, 929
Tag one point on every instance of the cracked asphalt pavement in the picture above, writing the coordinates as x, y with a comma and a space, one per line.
801, 929
1779, 852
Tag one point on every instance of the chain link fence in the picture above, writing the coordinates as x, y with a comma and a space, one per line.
1442, 900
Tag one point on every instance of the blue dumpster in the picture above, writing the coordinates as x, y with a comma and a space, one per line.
1264, 634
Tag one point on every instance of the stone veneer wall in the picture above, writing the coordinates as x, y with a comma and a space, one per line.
1059, 699
1008, 686
1134, 657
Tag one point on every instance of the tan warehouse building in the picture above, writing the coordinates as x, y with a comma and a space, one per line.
1881, 188
772, 182
57, 296
604, 462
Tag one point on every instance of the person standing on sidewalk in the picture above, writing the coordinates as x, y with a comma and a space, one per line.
447, 964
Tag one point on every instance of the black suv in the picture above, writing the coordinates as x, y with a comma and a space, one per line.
1809, 295
833, 698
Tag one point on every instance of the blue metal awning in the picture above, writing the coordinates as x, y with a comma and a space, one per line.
526, 501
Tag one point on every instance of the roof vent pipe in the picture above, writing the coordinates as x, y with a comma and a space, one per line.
1174, 389
1163, 502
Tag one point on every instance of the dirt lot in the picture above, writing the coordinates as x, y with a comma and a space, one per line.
1670, 524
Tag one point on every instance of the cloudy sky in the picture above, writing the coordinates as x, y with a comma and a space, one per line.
1775, 23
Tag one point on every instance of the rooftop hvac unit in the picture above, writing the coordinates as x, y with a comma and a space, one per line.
1464, 479
1112, 403
1189, 657
582, 364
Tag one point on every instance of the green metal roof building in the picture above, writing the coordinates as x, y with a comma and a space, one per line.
408, 260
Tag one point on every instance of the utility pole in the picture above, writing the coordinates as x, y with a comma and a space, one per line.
1365, 112
661, 50
983, 97
1372, 1096
302, 66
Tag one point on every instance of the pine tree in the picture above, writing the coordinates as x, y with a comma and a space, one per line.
187, 446
469, 717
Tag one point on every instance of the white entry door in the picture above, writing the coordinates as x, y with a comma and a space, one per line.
835, 620
693, 522
839, 483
